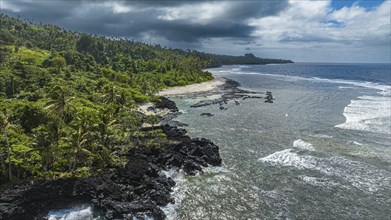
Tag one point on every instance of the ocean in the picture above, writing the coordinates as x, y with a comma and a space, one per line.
320, 151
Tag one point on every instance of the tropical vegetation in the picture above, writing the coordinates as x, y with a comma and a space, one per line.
68, 100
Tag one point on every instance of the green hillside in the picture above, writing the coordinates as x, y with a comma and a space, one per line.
217, 60
67, 100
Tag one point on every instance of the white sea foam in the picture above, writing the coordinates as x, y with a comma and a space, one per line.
145, 217
357, 143
71, 214
178, 192
324, 182
385, 90
325, 136
345, 87
288, 157
368, 113
360, 175
180, 188
303, 145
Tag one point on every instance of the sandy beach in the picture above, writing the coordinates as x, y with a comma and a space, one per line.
183, 90
200, 87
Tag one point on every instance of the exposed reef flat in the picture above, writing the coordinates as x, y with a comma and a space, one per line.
227, 92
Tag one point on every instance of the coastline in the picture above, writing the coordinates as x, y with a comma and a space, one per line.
194, 88
295, 134
140, 189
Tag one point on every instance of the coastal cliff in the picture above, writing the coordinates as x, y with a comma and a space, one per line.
138, 189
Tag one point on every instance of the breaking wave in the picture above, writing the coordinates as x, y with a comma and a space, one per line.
360, 175
303, 145
76, 213
177, 192
368, 113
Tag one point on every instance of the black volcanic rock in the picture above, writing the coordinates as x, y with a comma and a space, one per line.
135, 190
210, 151
191, 154
173, 131
166, 103
230, 92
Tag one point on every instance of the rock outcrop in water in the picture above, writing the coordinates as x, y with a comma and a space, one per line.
229, 91
139, 189
166, 103
269, 97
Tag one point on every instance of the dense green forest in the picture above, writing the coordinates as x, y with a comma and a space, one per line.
216, 60
68, 100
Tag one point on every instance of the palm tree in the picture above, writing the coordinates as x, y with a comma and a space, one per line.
1, 153
59, 103
78, 141
42, 142
106, 121
5, 124
111, 96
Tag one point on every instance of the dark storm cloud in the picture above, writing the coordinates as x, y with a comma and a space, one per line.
44, 11
135, 19
243, 43
180, 31
239, 9
247, 9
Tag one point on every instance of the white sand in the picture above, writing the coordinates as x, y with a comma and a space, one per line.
143, 108
200, 87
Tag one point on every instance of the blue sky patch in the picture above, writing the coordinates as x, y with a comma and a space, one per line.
368, 4
333, 23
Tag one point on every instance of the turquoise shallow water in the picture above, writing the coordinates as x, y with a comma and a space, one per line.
320, 151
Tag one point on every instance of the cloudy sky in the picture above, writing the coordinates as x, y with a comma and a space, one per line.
301, 30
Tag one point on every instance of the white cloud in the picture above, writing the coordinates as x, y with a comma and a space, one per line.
201, 13
301, 30
8, 6
301, 18
118, 8
363, 25
315, 26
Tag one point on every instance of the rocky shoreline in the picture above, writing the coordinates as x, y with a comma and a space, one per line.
229, 91
137, 190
